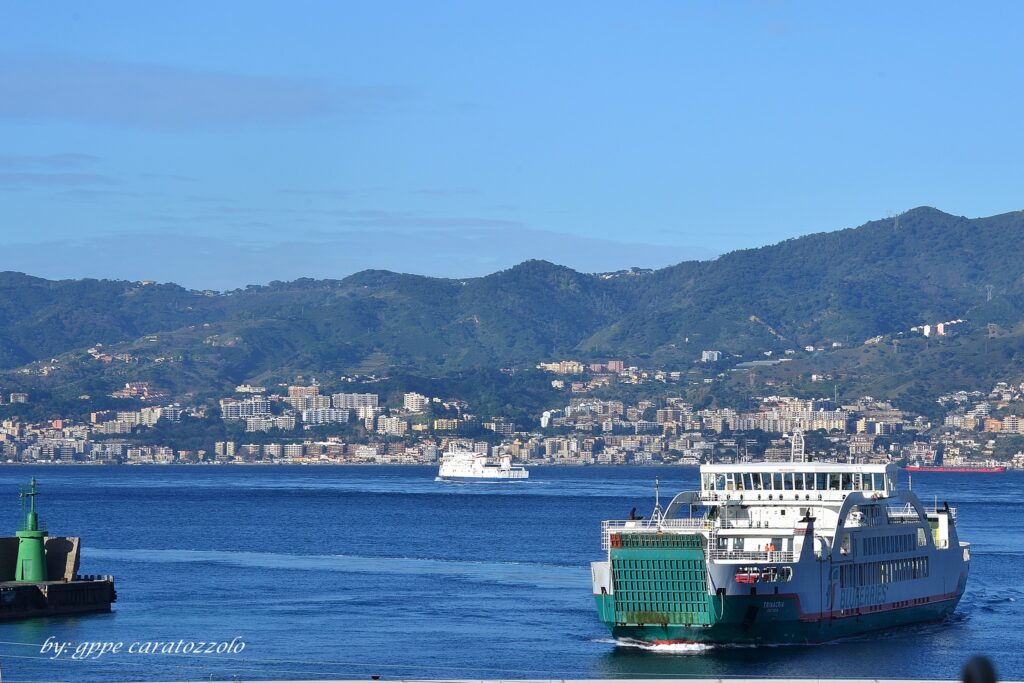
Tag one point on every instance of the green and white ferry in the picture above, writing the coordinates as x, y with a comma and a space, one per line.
781, 553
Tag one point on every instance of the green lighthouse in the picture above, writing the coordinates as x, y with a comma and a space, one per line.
31, 552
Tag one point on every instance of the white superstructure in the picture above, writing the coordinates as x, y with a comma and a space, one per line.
781, 552
466, 465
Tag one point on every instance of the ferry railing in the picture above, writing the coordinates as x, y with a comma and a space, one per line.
903, 515
751, 555
933, 510
687, 523
614, 525
608, 527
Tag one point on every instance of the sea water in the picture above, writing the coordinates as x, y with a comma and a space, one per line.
351, 572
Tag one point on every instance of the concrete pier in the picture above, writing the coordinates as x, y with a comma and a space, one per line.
65, 593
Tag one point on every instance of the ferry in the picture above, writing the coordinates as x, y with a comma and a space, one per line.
778, 553
466, 465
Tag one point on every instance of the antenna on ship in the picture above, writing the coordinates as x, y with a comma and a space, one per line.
656, 513
797, 453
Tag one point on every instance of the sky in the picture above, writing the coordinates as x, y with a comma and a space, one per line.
223, 144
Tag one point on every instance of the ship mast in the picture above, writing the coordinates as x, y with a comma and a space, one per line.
797, 453
656, 513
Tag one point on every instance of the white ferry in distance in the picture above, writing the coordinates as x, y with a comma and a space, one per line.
781, 553
466, 465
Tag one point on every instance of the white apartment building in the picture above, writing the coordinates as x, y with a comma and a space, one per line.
414, 403
352, 401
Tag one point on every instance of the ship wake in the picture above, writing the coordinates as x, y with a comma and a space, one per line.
665, 648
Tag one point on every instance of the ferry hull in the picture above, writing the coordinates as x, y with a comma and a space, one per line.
479, 480
774, 620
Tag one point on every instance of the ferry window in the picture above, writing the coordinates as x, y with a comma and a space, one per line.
777, 478
834, 482
740, 484
876, 482
730, 479
798, 481
845, 482
720, 482
922, 540
757, 481
821, 481
709, 481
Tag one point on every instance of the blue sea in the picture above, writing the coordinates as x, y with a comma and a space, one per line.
351, 572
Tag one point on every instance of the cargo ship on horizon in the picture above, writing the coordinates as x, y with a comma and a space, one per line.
978, 469
938, 464
776, 553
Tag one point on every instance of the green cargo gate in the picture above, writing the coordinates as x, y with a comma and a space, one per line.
660, 578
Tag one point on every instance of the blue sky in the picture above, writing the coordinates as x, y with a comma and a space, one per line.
220, 144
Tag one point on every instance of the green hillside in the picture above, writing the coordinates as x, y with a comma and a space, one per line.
880, 278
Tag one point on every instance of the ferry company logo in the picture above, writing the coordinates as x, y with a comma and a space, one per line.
861, 596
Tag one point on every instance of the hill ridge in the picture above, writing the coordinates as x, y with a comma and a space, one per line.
846, 285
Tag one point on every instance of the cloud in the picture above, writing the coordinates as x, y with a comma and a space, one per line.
211, 262
376, 218
160, 97
93, 195
448, 191
64, 160
27, 179
167, 176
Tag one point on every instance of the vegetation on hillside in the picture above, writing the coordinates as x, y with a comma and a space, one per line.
845, 286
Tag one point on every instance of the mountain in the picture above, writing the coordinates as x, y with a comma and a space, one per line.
849, 285
877, 279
